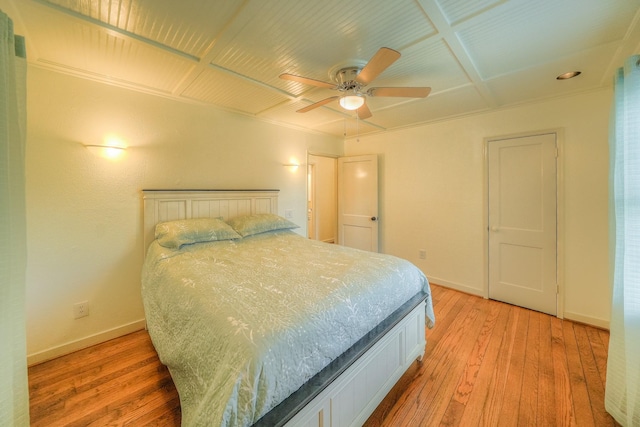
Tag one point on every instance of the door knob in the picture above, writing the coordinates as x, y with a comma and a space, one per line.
373, 218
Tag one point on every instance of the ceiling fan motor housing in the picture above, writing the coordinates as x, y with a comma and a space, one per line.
346, 79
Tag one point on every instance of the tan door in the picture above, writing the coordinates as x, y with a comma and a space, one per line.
311, 197
523, 221
323, 198
358, 202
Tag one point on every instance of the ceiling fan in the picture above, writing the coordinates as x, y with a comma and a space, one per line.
350, 81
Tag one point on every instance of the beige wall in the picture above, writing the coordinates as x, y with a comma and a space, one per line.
432, 195
84, 212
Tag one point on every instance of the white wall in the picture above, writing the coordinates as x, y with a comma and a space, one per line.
432, 195
84, 219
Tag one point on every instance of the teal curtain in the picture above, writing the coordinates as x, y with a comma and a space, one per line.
622, 398
14, 390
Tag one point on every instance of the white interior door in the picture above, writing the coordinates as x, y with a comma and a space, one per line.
523, 221
358, 202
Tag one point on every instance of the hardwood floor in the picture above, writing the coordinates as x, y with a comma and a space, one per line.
120, 382
487, 363
492, 364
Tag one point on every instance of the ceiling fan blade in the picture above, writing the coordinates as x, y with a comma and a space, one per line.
383, 58
308, 81
405, 92
364, 112
317, 104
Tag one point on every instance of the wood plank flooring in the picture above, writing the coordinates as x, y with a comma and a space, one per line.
493, 364
486, 364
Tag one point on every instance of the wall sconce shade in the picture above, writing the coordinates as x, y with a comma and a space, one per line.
293, 167
351, 102
107, 151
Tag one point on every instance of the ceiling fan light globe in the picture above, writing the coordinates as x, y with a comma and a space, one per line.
351, 102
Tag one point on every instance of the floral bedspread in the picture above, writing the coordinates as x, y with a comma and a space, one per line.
241, 324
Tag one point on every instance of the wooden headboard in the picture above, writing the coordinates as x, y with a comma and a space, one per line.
169, 205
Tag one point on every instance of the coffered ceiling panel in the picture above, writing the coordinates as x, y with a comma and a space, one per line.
524, 85
475, 55
224, 89
186, 26
310, 38
78, 47
428, 63
286, 112
457, 11
442, 105
521, 33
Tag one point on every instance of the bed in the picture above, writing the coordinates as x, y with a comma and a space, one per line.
261, 326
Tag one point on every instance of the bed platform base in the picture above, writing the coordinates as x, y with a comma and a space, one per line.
349, 389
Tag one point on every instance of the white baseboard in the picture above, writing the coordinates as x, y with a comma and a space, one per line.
587, 320
576, 317
70, 347
456, 286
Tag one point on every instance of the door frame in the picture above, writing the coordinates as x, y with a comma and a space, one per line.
559, 132
312, 223
308, 162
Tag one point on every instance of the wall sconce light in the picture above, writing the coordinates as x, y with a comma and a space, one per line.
113, 148
293, 164
293, 167
106, 151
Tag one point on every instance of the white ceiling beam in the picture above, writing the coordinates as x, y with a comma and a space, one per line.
452, 41
117, 31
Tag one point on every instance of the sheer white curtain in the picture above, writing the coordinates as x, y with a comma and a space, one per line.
14, 392
622, 397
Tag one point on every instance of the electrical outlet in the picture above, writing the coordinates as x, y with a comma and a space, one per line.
81, 309
422, 254
288, 213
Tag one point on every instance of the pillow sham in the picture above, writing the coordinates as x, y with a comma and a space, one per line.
174, 234
248, 225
